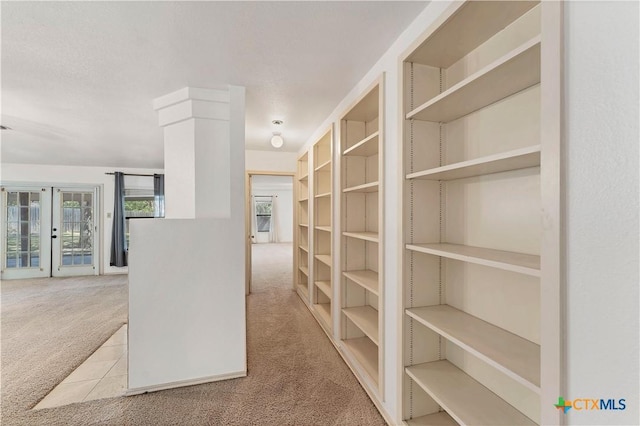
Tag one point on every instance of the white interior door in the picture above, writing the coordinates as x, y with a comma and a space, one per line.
26, 231
74, 232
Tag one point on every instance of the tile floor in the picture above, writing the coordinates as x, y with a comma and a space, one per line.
102, 375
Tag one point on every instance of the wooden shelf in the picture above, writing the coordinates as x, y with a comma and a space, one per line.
514, 356
324, 312
304, 290
323, 166
367, 236
503, 162
466, 400
304, 270
366, 354
364, 278
304, 225
300, 200
366, 319
324, 258
365, 187
516, 262
436, 419
365, 148
324, 194
304, 177
325, 287
470, 26
515, 71
323, 228
304, 248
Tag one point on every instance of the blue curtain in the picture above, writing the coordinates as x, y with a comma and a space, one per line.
118, 237
158, 195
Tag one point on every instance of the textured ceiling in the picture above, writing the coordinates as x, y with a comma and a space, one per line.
78, 78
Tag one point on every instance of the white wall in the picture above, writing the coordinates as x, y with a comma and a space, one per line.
94, 176
601, 166
270, 161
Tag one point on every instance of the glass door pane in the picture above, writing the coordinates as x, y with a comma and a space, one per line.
25, 232
74, 230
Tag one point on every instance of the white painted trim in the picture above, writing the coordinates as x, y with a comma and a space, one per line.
182, 383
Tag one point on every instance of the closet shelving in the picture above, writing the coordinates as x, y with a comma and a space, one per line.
472, 222
322, 291
301, 269
361, 262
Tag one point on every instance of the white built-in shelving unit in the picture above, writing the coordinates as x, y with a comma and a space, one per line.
301, 245
322, 289
361, 251
473, 224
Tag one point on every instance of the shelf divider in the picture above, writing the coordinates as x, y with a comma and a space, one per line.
514, 356
364, 278
467, 401
325, 287
366, 319
516, 262
365, 148
497, 163
515, 71
365, 187
367, 236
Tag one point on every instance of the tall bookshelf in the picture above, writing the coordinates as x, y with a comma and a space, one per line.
472, 224
301, 246
361, 183
322, 289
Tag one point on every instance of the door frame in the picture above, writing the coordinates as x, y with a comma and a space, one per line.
99, 189
96, 255
247, 217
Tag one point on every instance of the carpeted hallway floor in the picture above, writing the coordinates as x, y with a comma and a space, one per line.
49, 326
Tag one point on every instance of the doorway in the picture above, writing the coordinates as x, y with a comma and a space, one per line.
49, 231
269, 212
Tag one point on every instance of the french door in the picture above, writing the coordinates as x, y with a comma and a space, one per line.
48, 231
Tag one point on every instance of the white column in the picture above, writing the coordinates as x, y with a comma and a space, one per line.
187, 311
197, 150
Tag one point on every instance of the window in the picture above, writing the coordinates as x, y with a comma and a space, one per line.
138, 203
263, 215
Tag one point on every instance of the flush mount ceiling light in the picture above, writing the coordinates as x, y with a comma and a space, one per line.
276, 140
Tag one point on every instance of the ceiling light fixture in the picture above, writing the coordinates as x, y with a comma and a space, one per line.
276, 140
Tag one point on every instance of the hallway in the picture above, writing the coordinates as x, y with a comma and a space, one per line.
50, 326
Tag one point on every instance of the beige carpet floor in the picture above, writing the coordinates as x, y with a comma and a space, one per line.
296, 377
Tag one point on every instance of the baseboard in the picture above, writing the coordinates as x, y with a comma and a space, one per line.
182, 383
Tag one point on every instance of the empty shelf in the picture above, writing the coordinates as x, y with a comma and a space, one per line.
466, 400
365, 353
368, 236
324, 258
364, 278
324, 166
304, 177
436, 419
324, 194
324, 228
512, 355
306, 225
325, 287
517, 262
365, 148
366, 319
503, 162
515, 71
303, 199
365, 187
324, 312
302, 288
304, 248
304, 270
